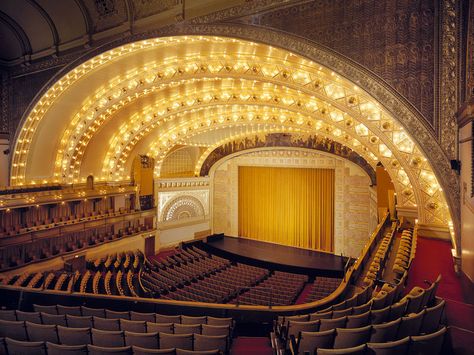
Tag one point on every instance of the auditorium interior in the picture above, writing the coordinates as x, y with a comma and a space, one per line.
236, 177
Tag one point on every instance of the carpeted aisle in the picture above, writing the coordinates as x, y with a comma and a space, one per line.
434, 257
251, 346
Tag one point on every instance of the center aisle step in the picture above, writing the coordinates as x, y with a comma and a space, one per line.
251, 346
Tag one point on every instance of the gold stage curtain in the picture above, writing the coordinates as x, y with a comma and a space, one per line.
290, 206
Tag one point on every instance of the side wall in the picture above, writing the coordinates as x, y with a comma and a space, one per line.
355, 205
467, 199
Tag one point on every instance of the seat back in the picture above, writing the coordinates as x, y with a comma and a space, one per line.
181, 341
137, 350
410, 325
323, 315
144, 340
333, 323
74, 336
363, 308
347, 338
13, 329
295, 327
385, 332
41, 332
432, 318
100, 350
163, 318
187, 328
56, 319
79, 321
378, 316
210, 342
8, 314
95, 312
136, 326
358, 320
160, 327
116, 315
308, 341
106, 324
224, 321
25, 347
397, 310
359, 350
207, 329
399, 347
73, 311
428, 344
193, 320
45, 309
57, 349
147, 317
114, 338
33, 317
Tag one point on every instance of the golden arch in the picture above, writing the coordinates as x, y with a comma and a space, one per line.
146, 71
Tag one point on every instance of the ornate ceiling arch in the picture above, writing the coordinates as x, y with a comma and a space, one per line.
311, 142
147, 96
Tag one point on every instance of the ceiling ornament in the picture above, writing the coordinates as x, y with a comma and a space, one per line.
374, 118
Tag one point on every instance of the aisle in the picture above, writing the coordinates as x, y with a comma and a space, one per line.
251, 346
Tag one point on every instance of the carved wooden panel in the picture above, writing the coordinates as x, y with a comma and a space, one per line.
394, 39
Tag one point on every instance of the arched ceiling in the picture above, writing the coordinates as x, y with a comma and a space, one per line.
145, 97
34, 29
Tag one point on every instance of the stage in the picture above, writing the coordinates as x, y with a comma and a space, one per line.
275, 256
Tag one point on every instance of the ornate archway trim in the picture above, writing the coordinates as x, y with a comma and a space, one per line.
277, 140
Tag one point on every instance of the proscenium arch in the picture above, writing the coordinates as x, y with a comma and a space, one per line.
363, 164
394, 106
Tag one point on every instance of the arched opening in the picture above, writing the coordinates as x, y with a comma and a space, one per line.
146, 97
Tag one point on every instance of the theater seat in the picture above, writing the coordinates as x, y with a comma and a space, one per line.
99, 350
428, 344
181, 341
210, 342
143, 340
399, 347
347, 338
308, 341
25, 347
59, 349
144, 351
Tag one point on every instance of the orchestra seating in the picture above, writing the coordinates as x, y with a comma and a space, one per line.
51, 329
322, 287
279, 289
190, 274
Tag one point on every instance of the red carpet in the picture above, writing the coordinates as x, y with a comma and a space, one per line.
304, 294
251, 346
434, 257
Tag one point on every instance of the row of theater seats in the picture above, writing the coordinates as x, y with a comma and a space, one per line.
381, 319
45, 248
279, 289
67, 219
377, 265
119, 279
80, 326
322, 287
193, 275
406, 251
